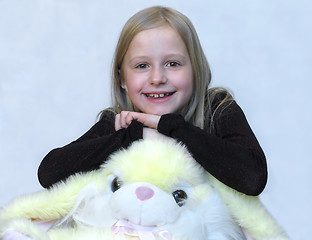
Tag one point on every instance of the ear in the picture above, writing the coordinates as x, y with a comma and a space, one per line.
123, 85
122, 81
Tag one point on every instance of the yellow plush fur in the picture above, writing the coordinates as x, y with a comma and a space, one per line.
250, 213
53, 203
167, 163
173, 163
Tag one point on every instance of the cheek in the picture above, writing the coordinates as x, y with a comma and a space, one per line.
186, 83
188, 86
133, 90
129, 82
133, 84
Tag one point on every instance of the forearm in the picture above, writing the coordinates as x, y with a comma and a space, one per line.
82, 156
230, 161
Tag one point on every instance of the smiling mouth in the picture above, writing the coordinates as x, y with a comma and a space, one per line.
158, 95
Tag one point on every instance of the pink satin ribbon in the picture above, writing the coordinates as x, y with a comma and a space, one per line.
142, 232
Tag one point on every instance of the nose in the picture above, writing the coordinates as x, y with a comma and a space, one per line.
144, 193
158, 76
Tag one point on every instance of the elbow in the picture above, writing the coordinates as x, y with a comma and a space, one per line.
257, 175
258, 178
48, 170
257, 185
41, 179
43, 176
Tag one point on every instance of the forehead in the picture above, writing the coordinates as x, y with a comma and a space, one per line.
159, 38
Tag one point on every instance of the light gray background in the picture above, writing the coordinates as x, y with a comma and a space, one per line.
55, 58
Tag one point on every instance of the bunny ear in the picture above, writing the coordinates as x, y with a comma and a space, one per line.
82, 201
88, 210
11, 234
51, 204
23, 229
250, 214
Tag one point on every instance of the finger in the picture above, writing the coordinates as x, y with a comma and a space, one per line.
123, 116
117, 122
130, 117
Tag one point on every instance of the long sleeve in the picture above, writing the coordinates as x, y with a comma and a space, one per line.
232, 153
88, 152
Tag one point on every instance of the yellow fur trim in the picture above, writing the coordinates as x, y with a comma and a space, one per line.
24, 226
50, 204
202, 191
156, 162
250, 213
160, 164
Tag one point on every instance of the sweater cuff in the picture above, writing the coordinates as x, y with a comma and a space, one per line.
169, 123
135, 130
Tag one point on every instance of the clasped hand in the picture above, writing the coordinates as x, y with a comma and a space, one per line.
124, 119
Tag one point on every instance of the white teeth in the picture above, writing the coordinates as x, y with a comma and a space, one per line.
155, 95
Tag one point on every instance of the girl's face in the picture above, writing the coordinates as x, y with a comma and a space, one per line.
157, 71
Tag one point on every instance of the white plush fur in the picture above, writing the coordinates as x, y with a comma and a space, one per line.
250, 213
87, 208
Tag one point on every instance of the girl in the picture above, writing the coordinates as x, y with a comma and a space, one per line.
160, 81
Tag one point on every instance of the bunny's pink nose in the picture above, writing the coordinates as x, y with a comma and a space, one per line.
144, 193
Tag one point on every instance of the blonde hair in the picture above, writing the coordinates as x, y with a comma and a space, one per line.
199, 106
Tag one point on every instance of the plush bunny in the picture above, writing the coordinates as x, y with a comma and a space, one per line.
154, 189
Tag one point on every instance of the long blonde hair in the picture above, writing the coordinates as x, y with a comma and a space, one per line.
199, 106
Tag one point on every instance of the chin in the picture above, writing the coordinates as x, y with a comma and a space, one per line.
158, 113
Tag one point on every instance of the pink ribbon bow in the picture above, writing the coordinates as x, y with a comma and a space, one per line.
142, 232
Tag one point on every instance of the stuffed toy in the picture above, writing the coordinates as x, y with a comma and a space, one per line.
154, 189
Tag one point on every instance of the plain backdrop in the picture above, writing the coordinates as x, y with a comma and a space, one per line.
55, 60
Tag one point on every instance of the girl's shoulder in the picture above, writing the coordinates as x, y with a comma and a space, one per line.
224, 111
220, 101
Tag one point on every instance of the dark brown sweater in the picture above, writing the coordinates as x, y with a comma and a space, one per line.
232, 153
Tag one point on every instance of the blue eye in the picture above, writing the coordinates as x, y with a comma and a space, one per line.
142, 65
173, 64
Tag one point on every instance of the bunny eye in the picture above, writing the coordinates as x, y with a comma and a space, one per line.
116, 184
179, 196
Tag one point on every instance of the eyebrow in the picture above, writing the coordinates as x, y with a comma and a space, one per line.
168, 56
136, 58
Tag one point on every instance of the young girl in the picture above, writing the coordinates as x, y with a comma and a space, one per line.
160, 81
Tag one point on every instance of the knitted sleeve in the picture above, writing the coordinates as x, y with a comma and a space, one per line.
88, 152
232, 154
